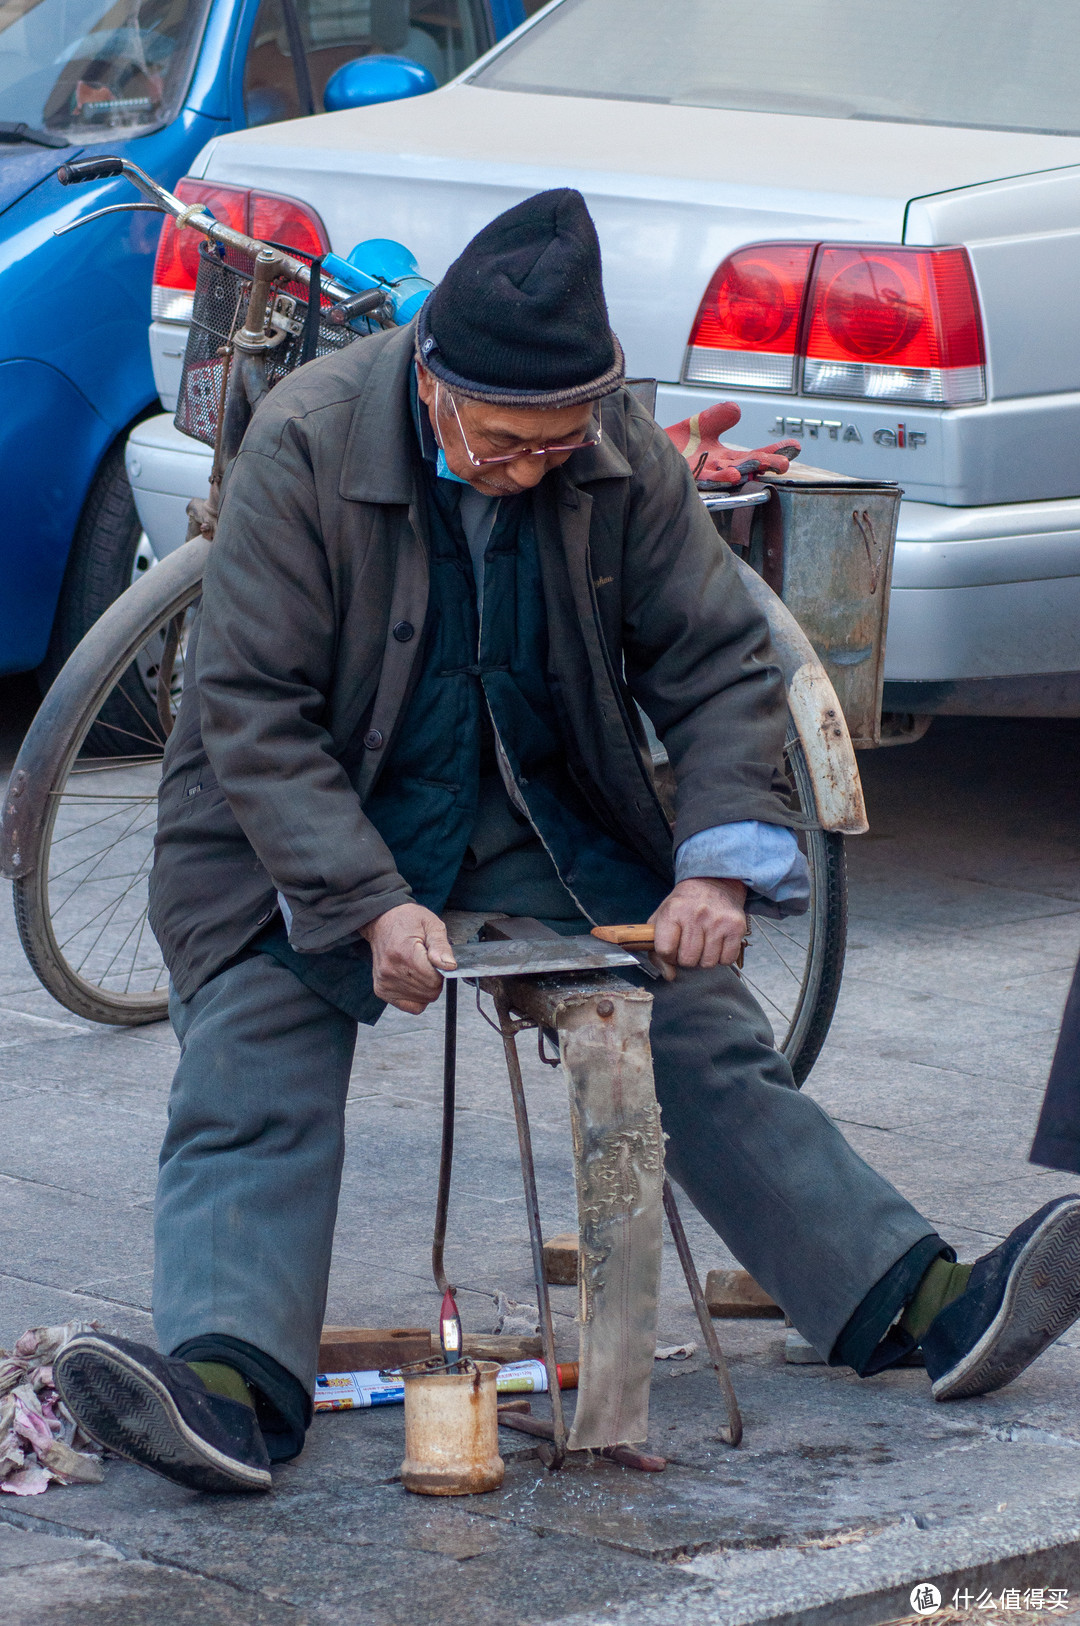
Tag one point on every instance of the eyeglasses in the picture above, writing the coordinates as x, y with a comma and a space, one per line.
525, 451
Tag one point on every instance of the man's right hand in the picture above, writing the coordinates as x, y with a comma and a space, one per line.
407, 944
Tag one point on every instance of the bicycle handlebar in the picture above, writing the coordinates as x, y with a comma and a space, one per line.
89, 169
193, 215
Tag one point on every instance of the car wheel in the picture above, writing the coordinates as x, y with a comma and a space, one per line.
107, 553
110, 552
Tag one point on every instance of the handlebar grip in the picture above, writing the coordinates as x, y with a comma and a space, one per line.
89, 169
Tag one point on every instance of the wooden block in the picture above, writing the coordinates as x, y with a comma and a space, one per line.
501, 1346
363, 1349
561, 1260
735, 1294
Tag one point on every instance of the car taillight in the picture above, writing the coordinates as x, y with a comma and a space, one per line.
259, 214
176, 265
894, 324
747, 326
285, 221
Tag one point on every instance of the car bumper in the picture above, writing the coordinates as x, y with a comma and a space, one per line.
985, 593
166, 469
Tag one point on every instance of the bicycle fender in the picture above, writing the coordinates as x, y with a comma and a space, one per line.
816, 712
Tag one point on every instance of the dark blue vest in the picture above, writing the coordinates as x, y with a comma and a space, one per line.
476, 681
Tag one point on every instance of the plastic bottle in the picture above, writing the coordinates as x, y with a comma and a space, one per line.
530, 1377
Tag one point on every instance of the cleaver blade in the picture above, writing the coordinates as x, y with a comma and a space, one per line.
534, 957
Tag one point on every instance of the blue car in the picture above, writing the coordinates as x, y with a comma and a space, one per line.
152, 80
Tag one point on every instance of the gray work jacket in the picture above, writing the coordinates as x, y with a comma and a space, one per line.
313, 611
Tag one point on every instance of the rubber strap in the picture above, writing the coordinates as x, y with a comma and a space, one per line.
310, 341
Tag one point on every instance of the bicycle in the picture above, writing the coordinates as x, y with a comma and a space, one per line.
79, 816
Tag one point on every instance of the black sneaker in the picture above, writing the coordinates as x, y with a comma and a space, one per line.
158, 1412
1019, 1298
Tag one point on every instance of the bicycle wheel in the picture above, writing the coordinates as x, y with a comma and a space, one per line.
82, 803
794, 967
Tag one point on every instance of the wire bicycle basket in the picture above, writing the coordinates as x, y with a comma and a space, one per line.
221, 295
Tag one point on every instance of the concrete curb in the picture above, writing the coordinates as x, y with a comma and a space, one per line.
869, 1582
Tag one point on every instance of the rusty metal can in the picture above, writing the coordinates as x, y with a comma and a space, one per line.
452, 1432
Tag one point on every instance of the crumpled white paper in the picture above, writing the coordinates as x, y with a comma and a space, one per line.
515, 1320
39, 1439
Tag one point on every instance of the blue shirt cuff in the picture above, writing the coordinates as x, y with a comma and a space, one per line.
765, 857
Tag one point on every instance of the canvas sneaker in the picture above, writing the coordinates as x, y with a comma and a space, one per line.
158, 1412
1018, 1299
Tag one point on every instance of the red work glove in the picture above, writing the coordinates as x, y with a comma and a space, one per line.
698, 439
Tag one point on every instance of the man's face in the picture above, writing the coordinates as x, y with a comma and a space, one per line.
495, 431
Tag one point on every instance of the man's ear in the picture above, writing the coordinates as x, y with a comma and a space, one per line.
425, 385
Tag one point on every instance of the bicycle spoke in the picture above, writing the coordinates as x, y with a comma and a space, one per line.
765, 997
81, 830
775, 927
76, 863
797, 976
112, 915
100, 798
87, 765
115, 728
135, 952
123, 943
110, 848
86, 924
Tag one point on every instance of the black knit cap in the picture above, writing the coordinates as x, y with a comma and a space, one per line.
519, 318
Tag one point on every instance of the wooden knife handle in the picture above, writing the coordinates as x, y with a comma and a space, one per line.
625, 936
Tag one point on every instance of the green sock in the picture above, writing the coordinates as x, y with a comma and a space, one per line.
223, 1380
942, 1283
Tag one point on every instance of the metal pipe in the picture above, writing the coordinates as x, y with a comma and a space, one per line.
509, 1028
732, 1435
446, 1151
253, 336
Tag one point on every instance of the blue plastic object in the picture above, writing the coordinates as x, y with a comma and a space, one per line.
372, 79
380, 262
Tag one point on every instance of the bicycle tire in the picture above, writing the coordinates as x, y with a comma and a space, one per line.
794, 967
50, 753
827, 862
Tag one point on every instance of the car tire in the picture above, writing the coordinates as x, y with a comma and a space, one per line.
108, 553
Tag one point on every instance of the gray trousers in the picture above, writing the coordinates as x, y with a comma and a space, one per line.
251, 1164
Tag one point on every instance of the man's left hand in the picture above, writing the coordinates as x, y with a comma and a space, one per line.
701, 922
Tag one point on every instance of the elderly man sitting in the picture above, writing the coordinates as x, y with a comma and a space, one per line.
450, 561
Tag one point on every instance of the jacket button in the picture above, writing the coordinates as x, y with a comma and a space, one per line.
373, 739
404, 631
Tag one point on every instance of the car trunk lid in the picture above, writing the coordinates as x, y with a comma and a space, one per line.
673, 189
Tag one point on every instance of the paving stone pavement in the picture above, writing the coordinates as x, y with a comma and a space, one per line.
965, 925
